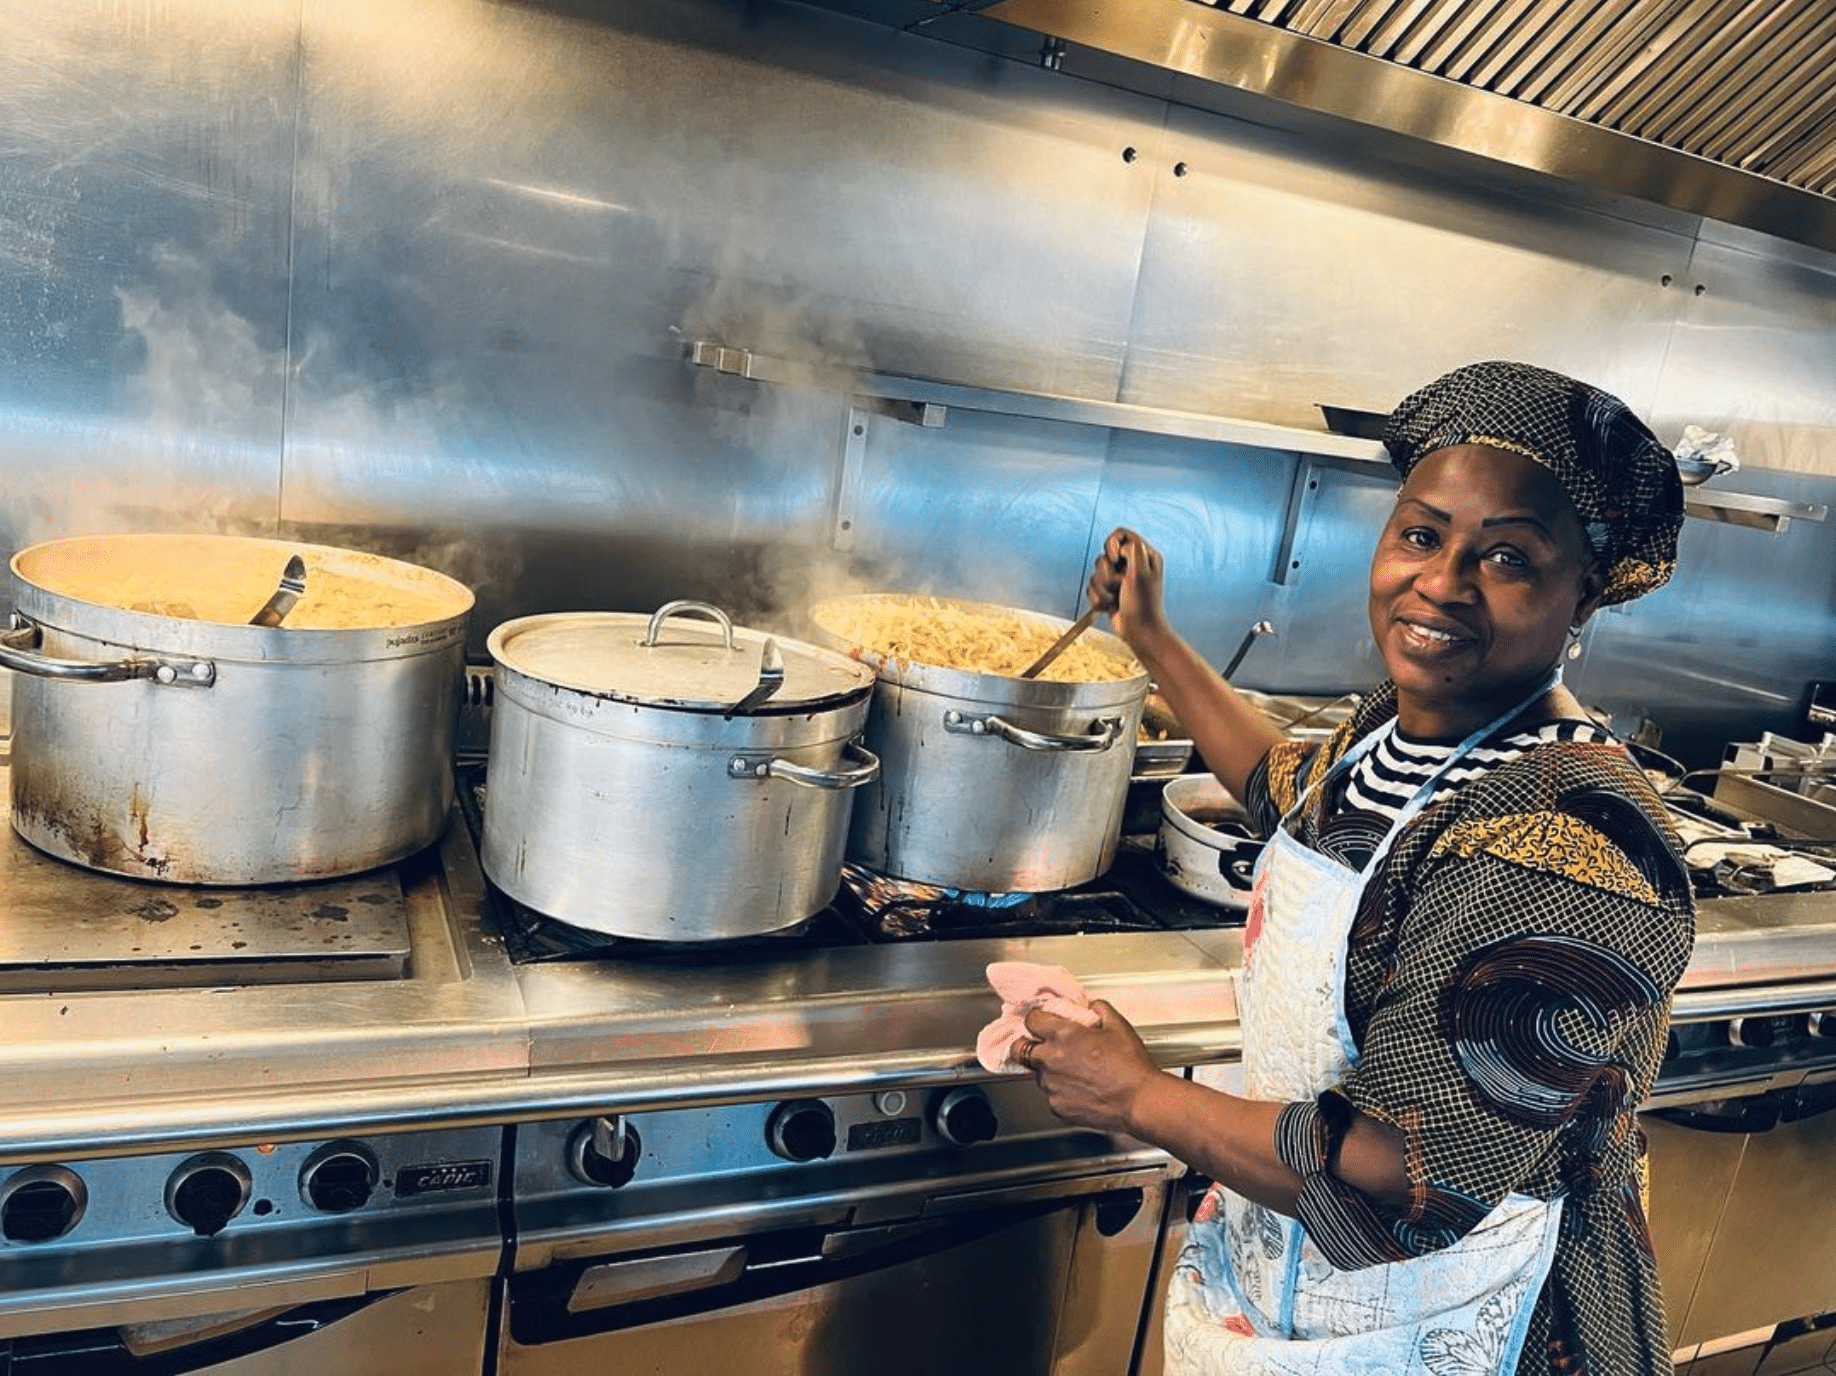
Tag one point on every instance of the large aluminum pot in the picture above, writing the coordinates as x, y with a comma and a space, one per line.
989, 781
157, 734
650, 777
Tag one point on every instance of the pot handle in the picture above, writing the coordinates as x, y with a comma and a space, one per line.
684, 607
866, 770
16, 648
1105, 732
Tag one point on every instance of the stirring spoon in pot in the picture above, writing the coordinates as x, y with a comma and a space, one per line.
1063, 643
292, 584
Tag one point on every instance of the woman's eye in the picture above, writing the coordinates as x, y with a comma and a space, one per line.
1420, 536
1510, 558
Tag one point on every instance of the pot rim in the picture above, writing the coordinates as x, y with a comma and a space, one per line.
1174, 803
498, 644
114, 628
990, 688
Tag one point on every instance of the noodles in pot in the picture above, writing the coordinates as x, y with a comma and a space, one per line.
974, 637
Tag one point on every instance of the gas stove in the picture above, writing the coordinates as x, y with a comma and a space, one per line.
870, 909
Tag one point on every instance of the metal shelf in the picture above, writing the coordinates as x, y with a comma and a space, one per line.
924, 401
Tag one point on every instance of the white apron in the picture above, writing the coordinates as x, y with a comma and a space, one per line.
1250, 1293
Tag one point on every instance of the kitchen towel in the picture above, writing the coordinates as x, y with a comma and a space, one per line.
1024, 986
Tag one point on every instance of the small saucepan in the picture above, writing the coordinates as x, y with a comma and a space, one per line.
1206, 846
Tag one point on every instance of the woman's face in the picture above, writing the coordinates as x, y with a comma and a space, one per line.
1477, 577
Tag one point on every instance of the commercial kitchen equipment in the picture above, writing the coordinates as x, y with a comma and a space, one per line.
989, 781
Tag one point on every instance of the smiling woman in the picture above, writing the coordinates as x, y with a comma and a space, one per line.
1465, 929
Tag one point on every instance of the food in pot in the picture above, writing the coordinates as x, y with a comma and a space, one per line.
1158, 722
226, 580
981, 639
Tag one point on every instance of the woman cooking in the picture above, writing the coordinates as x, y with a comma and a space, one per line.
1462, 942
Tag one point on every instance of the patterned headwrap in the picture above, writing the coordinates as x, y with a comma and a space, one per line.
1621, 480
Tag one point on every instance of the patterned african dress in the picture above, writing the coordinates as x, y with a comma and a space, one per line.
1507, 986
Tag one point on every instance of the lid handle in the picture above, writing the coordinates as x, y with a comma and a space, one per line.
687, 607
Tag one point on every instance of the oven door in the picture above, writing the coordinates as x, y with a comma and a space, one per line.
1742, 1211
430, 1328
1046, 1277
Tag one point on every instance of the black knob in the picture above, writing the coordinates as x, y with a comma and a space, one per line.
339, 1177
1755, 1031
40, 1203
801, 1130
207, 1191
591, 1166
964, 1116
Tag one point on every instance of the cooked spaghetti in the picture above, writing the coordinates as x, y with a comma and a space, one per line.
972, 636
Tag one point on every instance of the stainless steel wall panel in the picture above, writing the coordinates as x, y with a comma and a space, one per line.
1217, 514
144, 194
1754, 356
1016, 526
1276, 279
1256, 535
514, 218
1732, 642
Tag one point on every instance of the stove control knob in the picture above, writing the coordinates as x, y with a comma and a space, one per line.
801, 1130
207, 1191
1753, 1032
339, 1177
40, 1203
604, 1151
964, 1117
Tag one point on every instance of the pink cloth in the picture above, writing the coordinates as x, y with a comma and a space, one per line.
1024, 986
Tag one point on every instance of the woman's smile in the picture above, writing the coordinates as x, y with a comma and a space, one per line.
1434, 640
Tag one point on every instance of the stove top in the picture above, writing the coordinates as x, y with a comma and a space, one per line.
77, 929
871, 909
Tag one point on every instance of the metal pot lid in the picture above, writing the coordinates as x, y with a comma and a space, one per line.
686, 655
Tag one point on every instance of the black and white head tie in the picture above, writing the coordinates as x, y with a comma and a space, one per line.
1619, 477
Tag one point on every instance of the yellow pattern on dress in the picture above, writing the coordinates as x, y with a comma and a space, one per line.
1550, 841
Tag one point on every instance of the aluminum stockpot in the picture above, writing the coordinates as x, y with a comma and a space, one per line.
158, 735
991, 782
625, 795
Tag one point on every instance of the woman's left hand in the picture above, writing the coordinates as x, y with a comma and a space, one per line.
1090, 1075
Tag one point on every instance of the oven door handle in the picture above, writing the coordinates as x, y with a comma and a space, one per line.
102, 1352
1757, 1112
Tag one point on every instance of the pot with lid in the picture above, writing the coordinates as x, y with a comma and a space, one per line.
988, 781
157, 734
670, 777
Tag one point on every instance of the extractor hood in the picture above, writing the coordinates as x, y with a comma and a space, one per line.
1724, 109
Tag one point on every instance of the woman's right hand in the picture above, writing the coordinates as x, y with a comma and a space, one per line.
1126, 582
